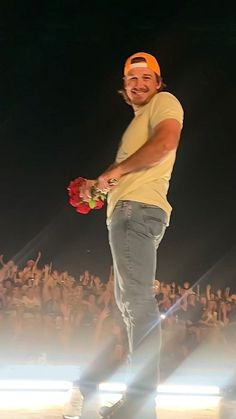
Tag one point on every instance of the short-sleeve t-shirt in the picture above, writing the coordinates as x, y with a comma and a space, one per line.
149, 185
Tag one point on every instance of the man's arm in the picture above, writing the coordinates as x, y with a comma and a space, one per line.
164, 140
85, 189
36, 262
1, 260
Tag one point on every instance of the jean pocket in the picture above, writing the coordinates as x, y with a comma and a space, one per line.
155, 220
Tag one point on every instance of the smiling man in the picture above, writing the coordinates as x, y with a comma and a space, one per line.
137, 215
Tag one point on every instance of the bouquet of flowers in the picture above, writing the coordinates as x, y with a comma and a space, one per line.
97, 196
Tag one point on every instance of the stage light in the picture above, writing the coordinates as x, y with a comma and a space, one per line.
186, 402
15, 399
41, 394
35, 385
165, 388
112, 387
188, 389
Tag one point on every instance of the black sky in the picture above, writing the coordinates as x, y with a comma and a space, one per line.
61, 66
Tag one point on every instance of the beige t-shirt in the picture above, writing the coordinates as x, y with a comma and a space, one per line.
149, 185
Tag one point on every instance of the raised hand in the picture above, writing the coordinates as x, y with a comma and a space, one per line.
104, 313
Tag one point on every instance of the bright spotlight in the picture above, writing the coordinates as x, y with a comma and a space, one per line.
112, 387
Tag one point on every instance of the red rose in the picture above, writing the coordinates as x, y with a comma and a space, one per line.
99, 204
96, 202
73, 202
74, 185
83, 208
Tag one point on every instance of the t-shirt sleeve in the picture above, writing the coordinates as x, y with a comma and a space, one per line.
165, 106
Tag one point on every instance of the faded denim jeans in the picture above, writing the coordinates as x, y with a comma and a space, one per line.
135, 232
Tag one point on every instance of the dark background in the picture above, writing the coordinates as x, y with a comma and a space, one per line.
61, 117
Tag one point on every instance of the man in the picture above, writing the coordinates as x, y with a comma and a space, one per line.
137, 215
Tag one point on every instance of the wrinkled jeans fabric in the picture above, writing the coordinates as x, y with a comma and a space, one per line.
135, 232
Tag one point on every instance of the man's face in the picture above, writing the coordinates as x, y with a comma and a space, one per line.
8, 284
10, 264
140, 85
30, 263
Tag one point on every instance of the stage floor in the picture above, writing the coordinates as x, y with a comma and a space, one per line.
200, 375
56, 414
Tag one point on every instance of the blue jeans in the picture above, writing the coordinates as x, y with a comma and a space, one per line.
135, 232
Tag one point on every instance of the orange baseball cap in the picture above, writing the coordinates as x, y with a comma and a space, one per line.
146, 60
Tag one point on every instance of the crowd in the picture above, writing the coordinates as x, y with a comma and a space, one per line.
49, 314
43, 311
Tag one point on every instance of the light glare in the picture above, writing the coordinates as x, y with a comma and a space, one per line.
165, 388
35, 385
32, 399
186, 402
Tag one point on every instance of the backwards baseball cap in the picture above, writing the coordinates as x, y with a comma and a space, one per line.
142, 59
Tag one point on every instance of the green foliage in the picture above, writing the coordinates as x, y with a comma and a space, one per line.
92, 203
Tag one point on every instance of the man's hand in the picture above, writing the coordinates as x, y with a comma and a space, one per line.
46, 269
104, 314
85, 190
114, 173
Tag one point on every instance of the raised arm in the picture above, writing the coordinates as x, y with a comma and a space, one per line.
36, 262
1, 260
